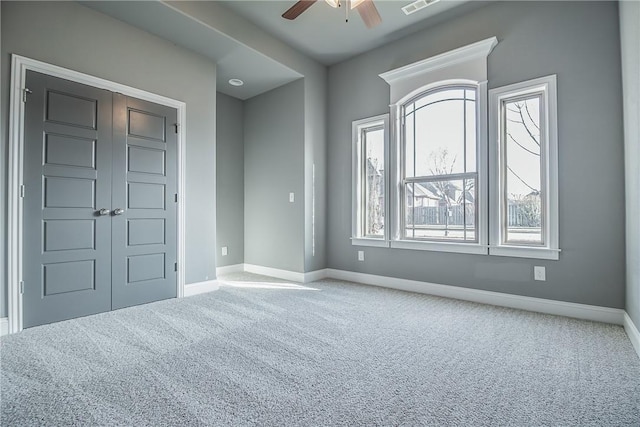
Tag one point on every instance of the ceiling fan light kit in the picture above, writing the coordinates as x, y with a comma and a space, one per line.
337, 3
367, 10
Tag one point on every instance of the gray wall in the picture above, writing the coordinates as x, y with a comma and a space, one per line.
73, 36
315, 163
274, 166
630, 34
314, 144
230, 179
580, 43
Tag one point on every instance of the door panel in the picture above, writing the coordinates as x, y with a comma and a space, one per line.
144, 195
67, 178
64, 150
145, 232
69, 234
146, 160
68, 192
144, 184
71, 109
69, 276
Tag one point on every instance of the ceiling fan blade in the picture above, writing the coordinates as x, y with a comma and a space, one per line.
295, 10
369, 13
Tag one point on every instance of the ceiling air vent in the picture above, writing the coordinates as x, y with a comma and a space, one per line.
417, 5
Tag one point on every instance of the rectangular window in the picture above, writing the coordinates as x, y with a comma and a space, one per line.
524, 169
373, 181
440, 178
370, 151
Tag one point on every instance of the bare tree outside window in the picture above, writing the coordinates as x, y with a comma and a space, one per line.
523, 170
440, 165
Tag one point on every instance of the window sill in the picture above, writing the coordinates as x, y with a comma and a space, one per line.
525, 252
462, 248
365, 241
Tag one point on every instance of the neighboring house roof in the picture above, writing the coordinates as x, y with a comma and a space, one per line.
429, 190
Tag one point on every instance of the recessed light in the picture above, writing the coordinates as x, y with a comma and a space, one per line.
236, 82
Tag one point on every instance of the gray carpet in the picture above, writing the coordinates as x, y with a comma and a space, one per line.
262, 352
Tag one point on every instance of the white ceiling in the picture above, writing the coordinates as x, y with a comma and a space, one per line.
233, 59
322, 33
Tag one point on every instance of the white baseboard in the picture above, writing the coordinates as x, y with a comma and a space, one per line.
201, 288
294, 276
312, 276
560, 308
4, 326
632, 332
228, 269
275, 272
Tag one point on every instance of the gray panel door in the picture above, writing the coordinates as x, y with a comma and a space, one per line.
67, 178
144, 225
100, 173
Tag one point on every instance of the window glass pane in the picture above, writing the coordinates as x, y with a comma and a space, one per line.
441, 210
523, 166
409, 146
441, 95
373, 146
440, 135
470, 142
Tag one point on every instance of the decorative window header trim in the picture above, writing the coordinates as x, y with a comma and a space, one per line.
433, 86
480, 49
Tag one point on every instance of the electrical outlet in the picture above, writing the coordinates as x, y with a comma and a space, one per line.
292, 197
360, 255
225, 251
539, 273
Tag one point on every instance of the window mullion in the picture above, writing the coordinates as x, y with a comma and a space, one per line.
450, 177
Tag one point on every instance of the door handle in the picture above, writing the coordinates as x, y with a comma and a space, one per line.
103, 212
118, 211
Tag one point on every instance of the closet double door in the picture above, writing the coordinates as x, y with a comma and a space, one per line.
99, 202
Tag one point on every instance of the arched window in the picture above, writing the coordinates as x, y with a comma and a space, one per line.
439, 165
438, 178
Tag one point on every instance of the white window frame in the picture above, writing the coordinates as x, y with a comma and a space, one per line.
478, 246
358, 208
467, 66
546, 88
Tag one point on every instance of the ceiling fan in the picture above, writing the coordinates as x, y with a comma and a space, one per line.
367, 10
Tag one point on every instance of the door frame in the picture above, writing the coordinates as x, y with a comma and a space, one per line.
19, 67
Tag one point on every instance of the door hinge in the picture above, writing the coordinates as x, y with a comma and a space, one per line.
176, 127
22, 191
21, 287
175, 266
25, 92
175, 197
